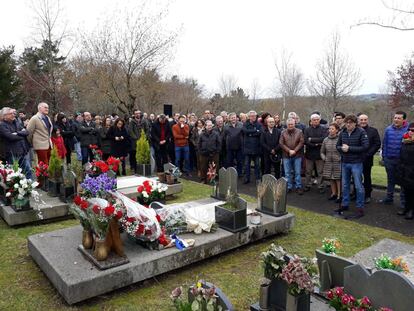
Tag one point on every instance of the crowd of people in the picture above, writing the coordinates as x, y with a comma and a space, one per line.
340, 151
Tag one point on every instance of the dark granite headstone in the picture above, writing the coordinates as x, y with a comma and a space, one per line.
272, 197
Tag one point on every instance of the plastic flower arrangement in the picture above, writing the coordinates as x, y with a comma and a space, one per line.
330, 246
300, 274
212, 173
18, 186
205, 299
341, 301
274, 260
98, 187
396, 264
42, 170
151, 191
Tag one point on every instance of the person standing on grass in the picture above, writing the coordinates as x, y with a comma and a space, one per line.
271, 148
391, 147
40, 133
234, 143
104, 139
88, 137
352, 144
209, 146
332, 162
251, 130
292, 141
181, 134
120, 142
374, 142
161, 136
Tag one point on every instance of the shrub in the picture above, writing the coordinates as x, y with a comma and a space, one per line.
143, 149
55, 165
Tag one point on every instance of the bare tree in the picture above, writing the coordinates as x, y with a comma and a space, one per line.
290, 81
227, 83
255, 91
126, 45
400, 19
336, 76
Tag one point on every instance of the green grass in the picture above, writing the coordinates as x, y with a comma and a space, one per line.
379, 176
24, 287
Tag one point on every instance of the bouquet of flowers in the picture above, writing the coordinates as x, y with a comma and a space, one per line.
79, 209
205, 299
341, 301
99, 166
211, 173
42, 170
98, 187
151, 191
330, 246
274, 260
300, 274
396, 264
18, 186
5, 169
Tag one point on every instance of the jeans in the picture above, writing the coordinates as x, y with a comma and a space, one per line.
294, 164
248, 159
390, 167
183, 153
235, 155
86, 153
355, 170
310, 166
78, 151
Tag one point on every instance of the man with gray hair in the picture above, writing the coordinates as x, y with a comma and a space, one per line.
219, 128
252, 130
40, 133
314, 136
233, 138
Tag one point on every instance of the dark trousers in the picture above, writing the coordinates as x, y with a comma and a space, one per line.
367, 179
409, 199
133, 161
248, 159
193, 157
268, 165
205, 161
161, 157
87, 155
68, 154
235, 156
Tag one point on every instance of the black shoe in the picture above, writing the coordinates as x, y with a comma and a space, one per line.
341, 209
322, 190
246, 181
410, 214
299, 191
386, 201
357, 215
306, 189
333, 197
289, 191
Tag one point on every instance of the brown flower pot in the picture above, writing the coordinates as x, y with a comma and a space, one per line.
101, 251
169, 179
161, 177
87, 239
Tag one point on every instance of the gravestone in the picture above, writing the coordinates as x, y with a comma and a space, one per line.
385, 288
227, 182
272, 195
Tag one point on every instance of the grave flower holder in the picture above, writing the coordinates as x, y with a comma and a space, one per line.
66, 192
44, 183
232, 218
144, 170
20, 205
53, 187
299, 302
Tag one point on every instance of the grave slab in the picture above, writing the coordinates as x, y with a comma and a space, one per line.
50, 207
76, 279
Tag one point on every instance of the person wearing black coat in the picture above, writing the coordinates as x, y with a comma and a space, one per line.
209, 146
88, 136
14, 135
233, 137
68, 134
269, 141
161, 136
405, 172
105, 141
374, 144
120, 142
252, 130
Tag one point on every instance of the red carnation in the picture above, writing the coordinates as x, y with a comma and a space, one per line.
163, 240
93, 146
140, 189
130, 219
96, 209
330, 295
77, 200
109, 210
158, 218
140, 229
406, 136
118, 215
84, 204
146, 183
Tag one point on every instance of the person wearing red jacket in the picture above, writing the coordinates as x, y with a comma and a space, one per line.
181, 133
58, 142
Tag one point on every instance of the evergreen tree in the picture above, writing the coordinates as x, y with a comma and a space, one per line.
10, 94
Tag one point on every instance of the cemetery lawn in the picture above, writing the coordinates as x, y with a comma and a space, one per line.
24, 287
379, 176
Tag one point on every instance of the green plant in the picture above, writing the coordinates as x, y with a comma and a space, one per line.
386, 262
55, 165
330, 246
205, 299
143, 149
232, 200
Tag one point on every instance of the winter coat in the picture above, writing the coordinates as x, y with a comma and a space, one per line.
221, 134
357, 141
251, 138
67, 132
391, 144
181, 135
195, 136
292, 140
156, 134
270, 141
209, 143
39, 134
234, 136
134, 130
331, 157
405, 169
314, 137
105, 141
15, 145
119, 148
374, 142
88, 134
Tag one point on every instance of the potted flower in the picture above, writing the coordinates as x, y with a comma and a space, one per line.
300, 276
99, 166
5, 169
143, 155
171, 177
211, 178
42, 175
151, 191
55, 173
98, 187
330, 246
202, 296
396, 264
232, 215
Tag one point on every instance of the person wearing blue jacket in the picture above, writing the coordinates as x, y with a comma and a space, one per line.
391, 147
352, 145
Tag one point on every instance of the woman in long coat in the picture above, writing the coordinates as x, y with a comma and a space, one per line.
332, 162
105, 141
120, 142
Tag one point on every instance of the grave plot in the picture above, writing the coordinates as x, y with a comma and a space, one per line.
128, 186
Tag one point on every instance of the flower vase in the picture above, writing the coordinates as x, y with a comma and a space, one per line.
264, 297
214, 191
101, 251
87, 239
291, 302
21, 204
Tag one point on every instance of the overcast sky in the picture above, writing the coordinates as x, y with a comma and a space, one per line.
241, 38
